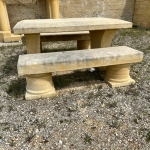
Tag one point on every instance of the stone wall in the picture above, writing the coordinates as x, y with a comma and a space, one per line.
32, 9
142, 13
20, 1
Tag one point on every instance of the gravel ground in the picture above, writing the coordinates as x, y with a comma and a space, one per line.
86, 115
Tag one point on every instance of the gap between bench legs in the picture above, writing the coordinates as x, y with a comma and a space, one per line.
118, 75
39, 86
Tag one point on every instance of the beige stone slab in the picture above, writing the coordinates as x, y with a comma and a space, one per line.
68, 25
71, 60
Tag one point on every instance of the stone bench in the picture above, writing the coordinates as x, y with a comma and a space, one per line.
38, 68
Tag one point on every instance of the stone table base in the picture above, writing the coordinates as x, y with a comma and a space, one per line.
9, 37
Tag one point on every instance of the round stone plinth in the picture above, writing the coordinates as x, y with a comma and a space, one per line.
118, 75
39, 86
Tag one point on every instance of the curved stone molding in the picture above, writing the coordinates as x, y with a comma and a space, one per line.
39, 86
21, 1
118, 75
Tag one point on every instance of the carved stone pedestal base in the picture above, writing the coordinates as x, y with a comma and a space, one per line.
12, 38
118, 75
39, 86
6, 36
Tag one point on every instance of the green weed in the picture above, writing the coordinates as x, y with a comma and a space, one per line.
65, 121
29, 137
10, 108
112, 105
87, 139
40, 123
148, 137
12, 143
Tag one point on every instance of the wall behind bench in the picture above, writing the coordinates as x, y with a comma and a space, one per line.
36, 9
142, 13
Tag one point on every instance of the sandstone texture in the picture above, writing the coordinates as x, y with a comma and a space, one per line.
38, 68
142, 13
21, 1
71, 60
71, 24
20, 11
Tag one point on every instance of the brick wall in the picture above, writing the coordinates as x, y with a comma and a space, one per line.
32, 9
142, 13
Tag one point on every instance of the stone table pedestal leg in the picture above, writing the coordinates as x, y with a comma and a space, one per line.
118, 75
5, 31
39, 86
33, 43
101, 39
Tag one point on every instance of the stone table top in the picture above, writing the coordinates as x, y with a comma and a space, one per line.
69, 25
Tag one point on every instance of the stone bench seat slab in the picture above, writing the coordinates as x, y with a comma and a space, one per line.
68, 25
71, 60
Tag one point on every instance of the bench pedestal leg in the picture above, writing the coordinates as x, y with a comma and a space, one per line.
83, 44
39, 86
118, 75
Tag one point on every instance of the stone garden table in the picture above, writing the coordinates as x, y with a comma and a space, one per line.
38, 67
101, 30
